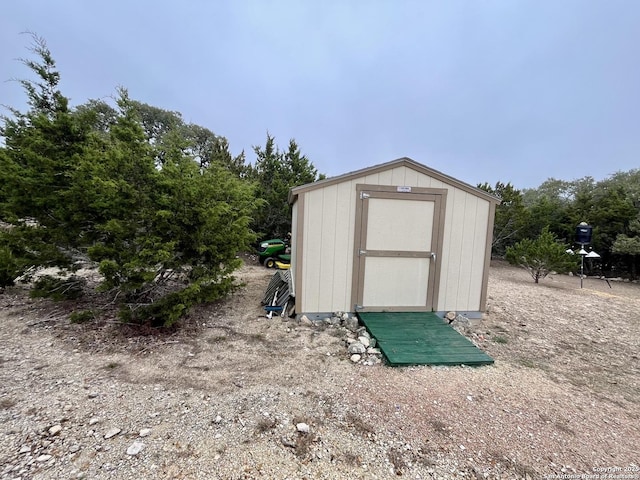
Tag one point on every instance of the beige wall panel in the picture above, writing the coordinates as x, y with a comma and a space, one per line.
478, 260
312, 260
294, 244
469, 234
423, 180
384, 178
398, 176
343, 258
407, 276
411, 177
452, 256
327, 237
372, 179
390, 220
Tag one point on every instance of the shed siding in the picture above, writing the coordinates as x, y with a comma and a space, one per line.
295, 228
328, 249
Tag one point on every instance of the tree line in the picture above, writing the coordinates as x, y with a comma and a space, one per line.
162, 208
160, 205
611, 206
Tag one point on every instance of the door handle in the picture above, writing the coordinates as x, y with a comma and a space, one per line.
433, 256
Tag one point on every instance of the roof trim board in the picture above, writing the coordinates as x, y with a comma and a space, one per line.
404, 161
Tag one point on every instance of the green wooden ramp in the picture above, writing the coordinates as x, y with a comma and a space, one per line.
420, 338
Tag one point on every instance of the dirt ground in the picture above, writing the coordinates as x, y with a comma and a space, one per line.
223, 397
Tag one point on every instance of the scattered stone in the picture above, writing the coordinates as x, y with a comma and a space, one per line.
93, 395
304, 320
43, 458
218, 419
112, 433
302, 427
351, 323
25, 449
287, 443
373, 351
135, 448
355, 358
93, 420
55, 430
364, 340
357, 347
145, 432
345, 317
450, 316
74, 448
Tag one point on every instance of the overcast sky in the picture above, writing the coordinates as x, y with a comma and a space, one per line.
516, 91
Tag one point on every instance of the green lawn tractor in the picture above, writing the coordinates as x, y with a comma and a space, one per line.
274, 253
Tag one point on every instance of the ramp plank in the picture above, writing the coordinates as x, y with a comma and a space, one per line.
420, 338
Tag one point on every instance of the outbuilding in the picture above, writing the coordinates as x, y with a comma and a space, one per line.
399, 236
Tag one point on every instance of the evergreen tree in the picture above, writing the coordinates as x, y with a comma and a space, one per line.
121, 190
541, 256
275, 173
511, 216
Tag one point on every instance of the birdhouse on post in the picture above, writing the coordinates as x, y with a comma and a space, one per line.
583, 233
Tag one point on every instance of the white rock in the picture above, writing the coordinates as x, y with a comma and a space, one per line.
145, 432
43, 458
355, 358
93, 420
25, 449
364, 341
357, 347
74, 448
112, 433
218, 419
304, 320
302, 427
373, 351
135, 448
55, 430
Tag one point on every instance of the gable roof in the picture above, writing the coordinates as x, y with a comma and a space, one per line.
404, 161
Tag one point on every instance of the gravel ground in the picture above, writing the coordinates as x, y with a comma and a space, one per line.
234, 395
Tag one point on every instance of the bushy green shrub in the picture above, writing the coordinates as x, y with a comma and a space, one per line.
541, 256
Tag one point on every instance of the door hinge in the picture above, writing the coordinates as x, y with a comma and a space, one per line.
362, 252
357, 307
364, 195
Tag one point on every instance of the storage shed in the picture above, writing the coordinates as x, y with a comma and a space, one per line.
398, 236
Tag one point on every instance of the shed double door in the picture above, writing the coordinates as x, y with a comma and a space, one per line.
398, 240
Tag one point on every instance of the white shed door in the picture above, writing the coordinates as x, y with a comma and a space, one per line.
398, 250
